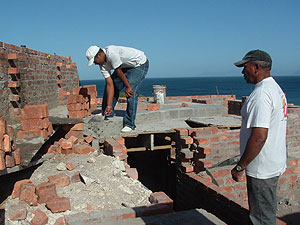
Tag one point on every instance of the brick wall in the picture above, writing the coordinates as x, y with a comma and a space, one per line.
29, 77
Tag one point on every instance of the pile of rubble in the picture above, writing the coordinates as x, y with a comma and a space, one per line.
74, 183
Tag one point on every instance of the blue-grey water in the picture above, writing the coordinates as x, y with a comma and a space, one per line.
188, 86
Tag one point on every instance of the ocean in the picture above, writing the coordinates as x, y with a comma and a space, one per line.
189, 86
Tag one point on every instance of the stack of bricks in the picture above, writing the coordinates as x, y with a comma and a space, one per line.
82, 101
92, 92
72, 145
9, 155
35, 122
191, 151
45, 193
115, 147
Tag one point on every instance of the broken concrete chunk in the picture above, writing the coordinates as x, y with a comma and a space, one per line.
61, 167
88, 181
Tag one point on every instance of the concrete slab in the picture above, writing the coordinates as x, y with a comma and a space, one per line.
229, 121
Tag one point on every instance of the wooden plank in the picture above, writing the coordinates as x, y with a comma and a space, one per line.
139, 149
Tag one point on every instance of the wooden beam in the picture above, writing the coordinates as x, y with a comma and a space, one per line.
140, 149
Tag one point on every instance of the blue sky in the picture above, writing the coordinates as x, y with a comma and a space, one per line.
180, 38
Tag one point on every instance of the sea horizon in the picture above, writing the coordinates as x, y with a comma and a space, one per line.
192, 86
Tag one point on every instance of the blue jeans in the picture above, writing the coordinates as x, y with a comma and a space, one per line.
262, 200
135, 76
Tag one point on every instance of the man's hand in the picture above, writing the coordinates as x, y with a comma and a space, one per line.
108, 110
129, 92
237, 176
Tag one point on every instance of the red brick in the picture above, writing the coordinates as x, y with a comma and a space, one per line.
160, 198
6, 143
35, 111
77, 114
40, 218
13, 70
187, 168
17, 156
13, 84
32, 124
89, 139
75, 99
2, 160
214, 139
83, 149
182, 131
293, 162
76, 91
200, 141
75, 133
60, 221
17, 212
221, 173
78, 127
29, 134
27, 194
67, 144
132, 173
3, 126
59, 204
17, 187
153, 107
14, 98
70, 166
9, 160
60, 180
121, 141
111, 146
92, 89
75, 177
12, 56
67, 151
75, 107
186, 140
46, 191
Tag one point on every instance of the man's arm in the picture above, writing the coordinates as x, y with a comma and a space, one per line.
110, 94
128, 91
255, 143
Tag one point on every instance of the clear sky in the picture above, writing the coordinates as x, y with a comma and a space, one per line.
180, 38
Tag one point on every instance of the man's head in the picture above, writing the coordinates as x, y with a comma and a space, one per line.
94, 54
257, 66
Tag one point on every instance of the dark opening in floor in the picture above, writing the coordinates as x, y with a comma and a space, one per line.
155, 170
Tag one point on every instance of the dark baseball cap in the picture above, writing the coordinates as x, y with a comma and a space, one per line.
254, 55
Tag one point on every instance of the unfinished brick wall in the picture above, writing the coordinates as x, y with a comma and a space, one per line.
29, 77
200, 149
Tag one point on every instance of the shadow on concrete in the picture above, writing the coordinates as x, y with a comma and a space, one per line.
291, 219
190, 217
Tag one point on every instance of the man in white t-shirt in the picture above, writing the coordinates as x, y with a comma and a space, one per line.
262, 137
130, 67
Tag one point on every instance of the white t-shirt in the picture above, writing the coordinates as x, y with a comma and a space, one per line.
125, 57
266, 107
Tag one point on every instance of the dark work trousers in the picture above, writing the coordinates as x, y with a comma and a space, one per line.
262, 200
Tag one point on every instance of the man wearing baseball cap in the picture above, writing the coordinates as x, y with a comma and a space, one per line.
129, 67
262, 137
